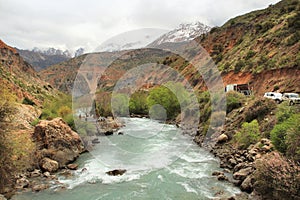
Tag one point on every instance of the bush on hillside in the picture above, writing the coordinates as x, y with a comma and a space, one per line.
234, 100
249, 134
28, 101
286, 137
59, 107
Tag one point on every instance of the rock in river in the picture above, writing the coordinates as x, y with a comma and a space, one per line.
116, 172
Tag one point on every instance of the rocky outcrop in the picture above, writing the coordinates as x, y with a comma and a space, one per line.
56, 141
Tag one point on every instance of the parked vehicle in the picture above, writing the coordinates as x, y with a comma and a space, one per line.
242, 88
292, 98
275, 96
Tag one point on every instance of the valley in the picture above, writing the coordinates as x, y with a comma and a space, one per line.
155, 112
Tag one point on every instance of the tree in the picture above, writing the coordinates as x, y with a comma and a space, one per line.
167, 99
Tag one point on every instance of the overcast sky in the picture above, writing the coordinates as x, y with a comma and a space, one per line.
70, 24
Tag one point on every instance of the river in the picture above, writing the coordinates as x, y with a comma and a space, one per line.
161, 163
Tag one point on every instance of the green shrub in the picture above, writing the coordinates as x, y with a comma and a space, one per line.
293, 138
60, 106
284, 111
249, 134
234, 100
293, 39
239, 65
35, 122
250, 54
286, 136
28, 101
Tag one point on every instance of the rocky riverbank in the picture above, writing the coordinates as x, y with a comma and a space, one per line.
57, 147
258, 169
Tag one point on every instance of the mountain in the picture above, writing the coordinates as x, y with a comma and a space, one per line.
79, 52
185, 32
260, 48
20, 78
131, 40
41, 59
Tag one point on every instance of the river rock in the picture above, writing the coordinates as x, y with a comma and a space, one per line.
66, 173
56, 140
37, 188
232, 162
49, 165
116, 172
222, 177
72, 166
2, 197
217, 173
243, 173
22, 183
35, 173
95, 141
47, 174
247, 184
222, 138
109, 132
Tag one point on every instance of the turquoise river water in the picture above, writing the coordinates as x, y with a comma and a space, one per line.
161, 163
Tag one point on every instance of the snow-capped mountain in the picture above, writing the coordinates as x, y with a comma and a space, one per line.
131, 40
41, 59
184, 32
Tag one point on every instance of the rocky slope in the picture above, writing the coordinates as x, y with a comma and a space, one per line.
20, 78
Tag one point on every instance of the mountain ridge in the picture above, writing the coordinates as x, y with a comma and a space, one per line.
41, 59
183, 33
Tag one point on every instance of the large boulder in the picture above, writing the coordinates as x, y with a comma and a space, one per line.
222, 138
243, 173
57, 141
49, 165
